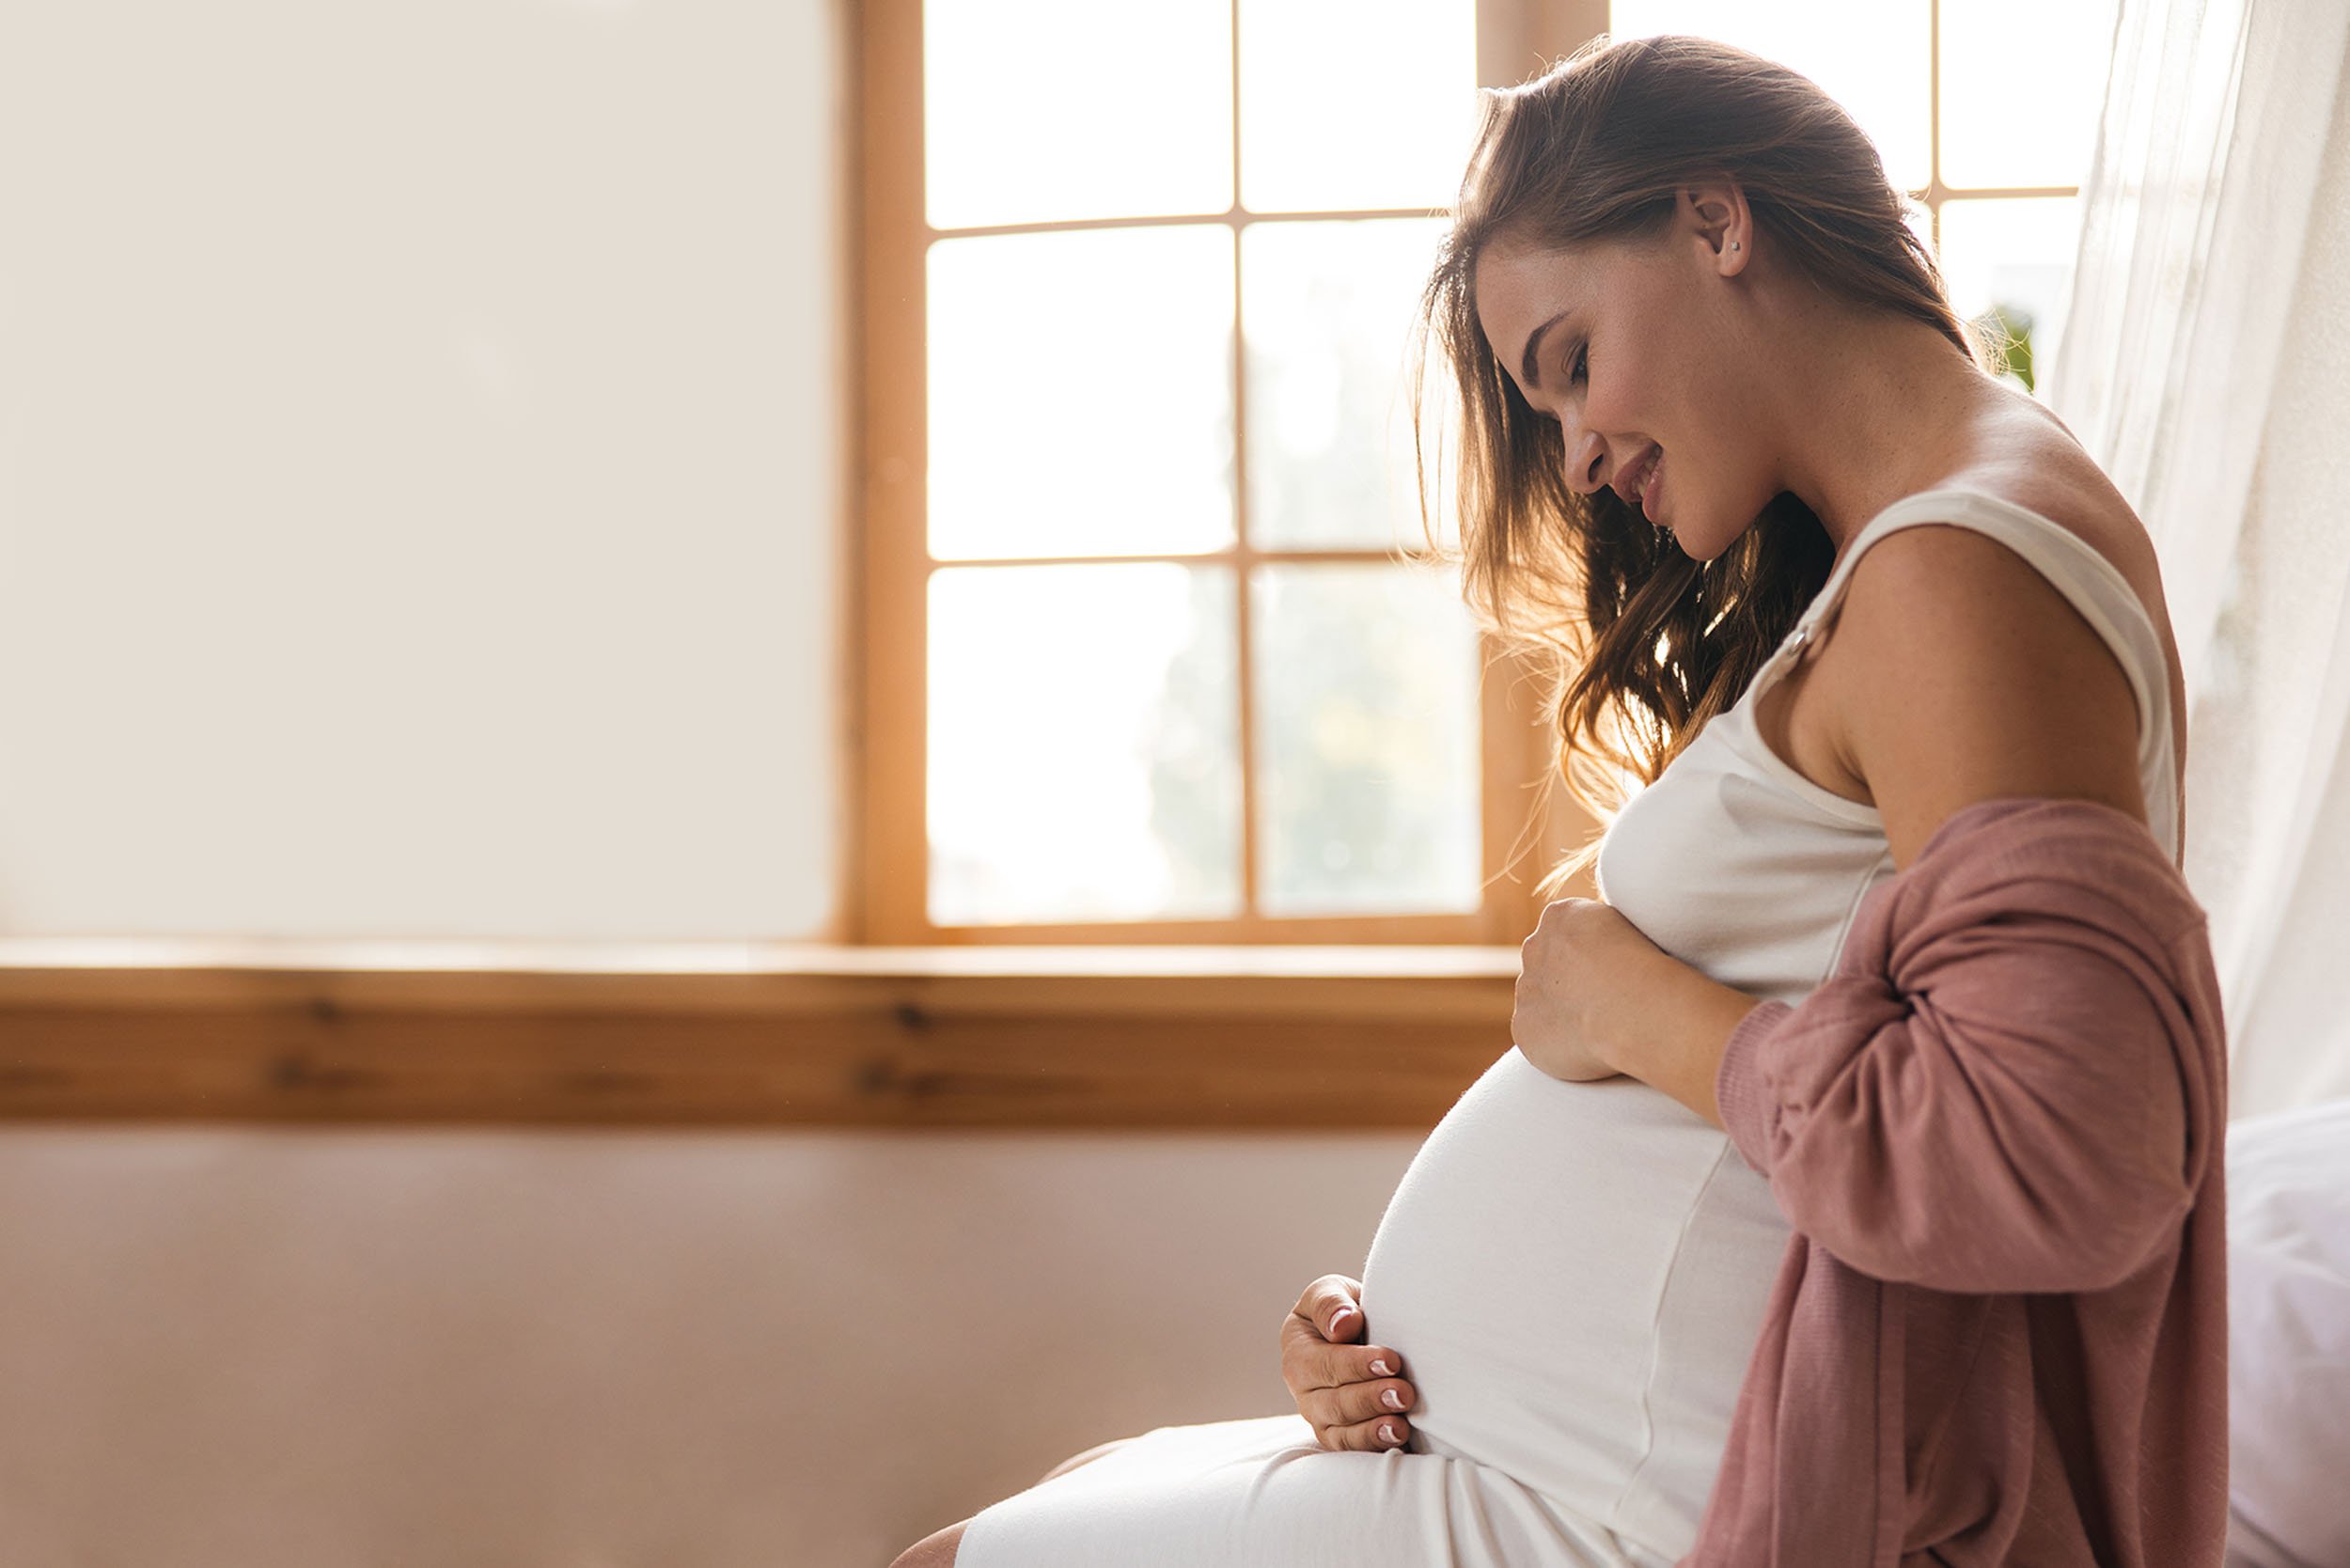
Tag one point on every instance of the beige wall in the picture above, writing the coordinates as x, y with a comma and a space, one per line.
225, 1349
419, 516
418, 468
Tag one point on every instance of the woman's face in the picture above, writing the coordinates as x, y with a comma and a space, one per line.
1639, 349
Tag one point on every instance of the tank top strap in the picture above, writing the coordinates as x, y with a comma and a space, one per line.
2091, 584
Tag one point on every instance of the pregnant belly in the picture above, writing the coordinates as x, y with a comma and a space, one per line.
1575, 1276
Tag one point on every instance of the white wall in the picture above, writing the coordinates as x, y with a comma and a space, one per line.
419, 468
419, 516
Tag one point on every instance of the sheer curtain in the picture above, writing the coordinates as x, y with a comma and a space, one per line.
2206, 366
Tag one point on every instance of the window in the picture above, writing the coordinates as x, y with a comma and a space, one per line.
1151, 649
1155, 651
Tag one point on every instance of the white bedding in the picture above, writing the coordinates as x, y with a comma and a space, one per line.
2289, 1337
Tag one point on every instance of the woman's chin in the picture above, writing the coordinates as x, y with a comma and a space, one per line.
1701, 551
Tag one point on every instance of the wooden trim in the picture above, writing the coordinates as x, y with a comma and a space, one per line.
1235, 554
891, 853
1232, 217
1373, 930
1934, 190
747, 1035
1939, 193
847, 922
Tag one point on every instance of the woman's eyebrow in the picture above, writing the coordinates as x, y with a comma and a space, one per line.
1528, 367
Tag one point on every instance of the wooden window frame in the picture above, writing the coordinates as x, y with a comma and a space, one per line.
885, 899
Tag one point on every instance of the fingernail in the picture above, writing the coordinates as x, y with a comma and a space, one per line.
1338, 1320
1386, 1431
1392, 1400
1380, 1367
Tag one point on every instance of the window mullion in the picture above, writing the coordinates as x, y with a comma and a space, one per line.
1243, 663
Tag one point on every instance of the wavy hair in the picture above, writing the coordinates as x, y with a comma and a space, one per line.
1641, 644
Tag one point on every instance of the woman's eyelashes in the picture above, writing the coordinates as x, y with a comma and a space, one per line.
1578, 363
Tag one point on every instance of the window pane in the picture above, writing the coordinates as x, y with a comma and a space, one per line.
1369, 103
2018, 256
1081, 393
1038, 110
1084, 744
1368, 729
2023, 82
1328, 311
1870, 55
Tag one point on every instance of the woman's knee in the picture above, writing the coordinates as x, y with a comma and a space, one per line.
938, 1550
1086, 1458
932, 1551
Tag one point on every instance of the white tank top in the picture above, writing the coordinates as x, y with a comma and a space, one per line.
1575, 1274
1744, 867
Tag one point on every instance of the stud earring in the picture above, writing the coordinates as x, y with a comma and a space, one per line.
1733, 245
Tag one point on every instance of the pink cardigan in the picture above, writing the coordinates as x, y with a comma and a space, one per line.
1999, 1335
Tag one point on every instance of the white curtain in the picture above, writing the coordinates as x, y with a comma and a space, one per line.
2207, 367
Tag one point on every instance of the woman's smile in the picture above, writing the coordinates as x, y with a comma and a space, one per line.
1639, 485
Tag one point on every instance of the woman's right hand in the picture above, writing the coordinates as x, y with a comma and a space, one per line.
1353, 1395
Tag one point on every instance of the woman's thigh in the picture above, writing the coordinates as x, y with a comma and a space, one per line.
935, 1550
1261, 1493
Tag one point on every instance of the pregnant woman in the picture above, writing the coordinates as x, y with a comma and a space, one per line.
1868, 621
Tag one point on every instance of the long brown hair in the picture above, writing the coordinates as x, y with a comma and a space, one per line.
1643, 644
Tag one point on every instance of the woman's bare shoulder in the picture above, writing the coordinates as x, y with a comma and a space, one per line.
2003, 635
1960, 672
2027, 456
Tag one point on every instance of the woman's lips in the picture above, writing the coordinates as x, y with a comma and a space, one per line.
1649, 486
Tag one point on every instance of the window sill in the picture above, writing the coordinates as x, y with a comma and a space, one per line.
746, 1034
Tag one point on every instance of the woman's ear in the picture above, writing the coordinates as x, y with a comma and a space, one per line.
1715, 213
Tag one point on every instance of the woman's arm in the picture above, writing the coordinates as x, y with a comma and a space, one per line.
2009, 1082
1668, 1024
1954, 672
1597, 998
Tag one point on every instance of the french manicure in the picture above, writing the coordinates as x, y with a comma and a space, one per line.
1381, 1367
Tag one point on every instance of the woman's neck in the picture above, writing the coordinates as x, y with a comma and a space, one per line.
1900, 410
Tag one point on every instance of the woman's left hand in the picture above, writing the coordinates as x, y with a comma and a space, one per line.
1576, 975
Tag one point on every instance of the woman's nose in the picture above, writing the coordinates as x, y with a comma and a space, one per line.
1583, 460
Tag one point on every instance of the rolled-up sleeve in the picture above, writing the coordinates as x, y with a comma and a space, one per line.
1993, 1107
